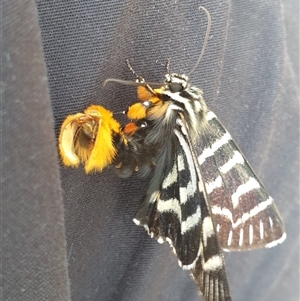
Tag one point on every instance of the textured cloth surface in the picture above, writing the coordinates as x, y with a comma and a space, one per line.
70, 236
34, 263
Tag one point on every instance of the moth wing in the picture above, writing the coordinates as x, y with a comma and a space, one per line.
244, 214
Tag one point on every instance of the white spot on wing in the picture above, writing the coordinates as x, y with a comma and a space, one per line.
211, 186
183, 193
171, 178
276, 242
250, 234
218, 227
214, 263
207, 229
160, 240
180, 162
229, 238
187, 192
271, 221
237, 158
261, 229
169, 205
137, 222
251, 184
191, 221
208, 152
210, 115
241, 237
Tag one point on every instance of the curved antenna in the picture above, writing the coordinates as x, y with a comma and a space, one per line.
205, 39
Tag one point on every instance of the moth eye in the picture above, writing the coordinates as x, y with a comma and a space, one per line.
175, 87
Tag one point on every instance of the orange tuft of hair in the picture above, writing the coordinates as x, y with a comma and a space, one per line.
95, 129
130, 128
137, 111
104, 150
143, 93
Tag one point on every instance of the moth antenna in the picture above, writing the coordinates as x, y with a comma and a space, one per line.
205, 39
130, 83
120, 81
140, 78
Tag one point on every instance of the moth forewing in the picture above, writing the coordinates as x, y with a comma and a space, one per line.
244, 214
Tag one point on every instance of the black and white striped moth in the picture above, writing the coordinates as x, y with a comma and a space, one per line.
203, 195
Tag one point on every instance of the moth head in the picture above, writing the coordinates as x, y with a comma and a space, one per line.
176, 82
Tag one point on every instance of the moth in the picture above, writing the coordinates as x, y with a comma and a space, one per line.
203, 195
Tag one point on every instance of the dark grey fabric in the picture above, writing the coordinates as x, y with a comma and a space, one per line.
249, 75
33, 244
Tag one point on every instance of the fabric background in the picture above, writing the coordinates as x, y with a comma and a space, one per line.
70, 236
